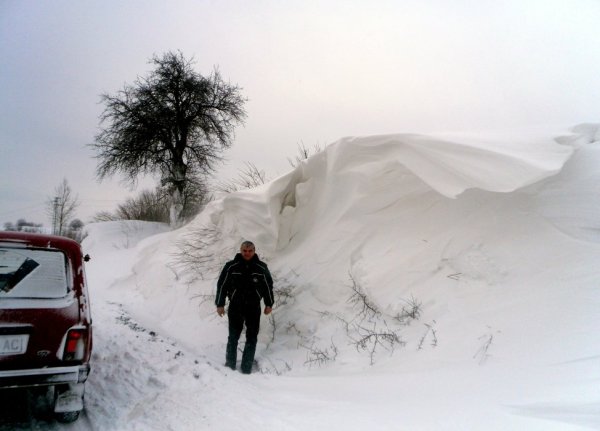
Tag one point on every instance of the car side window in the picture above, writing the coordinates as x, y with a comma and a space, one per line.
33, 273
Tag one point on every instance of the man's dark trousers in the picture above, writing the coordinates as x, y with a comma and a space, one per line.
250, 315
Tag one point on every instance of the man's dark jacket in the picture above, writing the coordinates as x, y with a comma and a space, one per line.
245, 283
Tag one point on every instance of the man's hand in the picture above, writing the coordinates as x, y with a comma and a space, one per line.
221, 311
268, 310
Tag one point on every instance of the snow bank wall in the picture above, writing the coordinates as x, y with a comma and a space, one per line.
381, 169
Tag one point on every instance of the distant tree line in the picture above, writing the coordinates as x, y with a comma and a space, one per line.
23, 225
73, 230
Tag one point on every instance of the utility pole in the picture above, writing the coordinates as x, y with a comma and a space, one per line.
55, 216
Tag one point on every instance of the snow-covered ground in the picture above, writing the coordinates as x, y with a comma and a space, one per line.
445, 282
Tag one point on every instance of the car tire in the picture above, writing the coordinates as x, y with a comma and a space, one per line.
67, 417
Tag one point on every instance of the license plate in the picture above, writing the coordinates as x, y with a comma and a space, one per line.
13, 344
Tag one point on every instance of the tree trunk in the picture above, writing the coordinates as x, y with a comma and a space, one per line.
175, 208
178, 182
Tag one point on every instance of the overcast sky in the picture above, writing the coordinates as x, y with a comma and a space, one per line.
313, 71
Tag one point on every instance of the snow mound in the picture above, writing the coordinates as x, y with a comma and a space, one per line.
376, 169
439, 282
451, 166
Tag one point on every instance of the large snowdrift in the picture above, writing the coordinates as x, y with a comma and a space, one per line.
388, 168
424, 283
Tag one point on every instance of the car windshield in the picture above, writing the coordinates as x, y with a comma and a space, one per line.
32, 273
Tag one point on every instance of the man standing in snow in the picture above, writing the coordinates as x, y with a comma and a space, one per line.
245, 281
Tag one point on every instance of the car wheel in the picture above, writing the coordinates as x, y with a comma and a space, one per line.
67, 417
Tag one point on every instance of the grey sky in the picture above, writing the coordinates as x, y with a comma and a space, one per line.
313, 71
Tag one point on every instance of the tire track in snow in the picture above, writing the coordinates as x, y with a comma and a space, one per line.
136, 372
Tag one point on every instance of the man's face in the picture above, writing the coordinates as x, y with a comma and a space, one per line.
247, 252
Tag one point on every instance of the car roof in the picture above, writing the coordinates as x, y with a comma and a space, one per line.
41, 241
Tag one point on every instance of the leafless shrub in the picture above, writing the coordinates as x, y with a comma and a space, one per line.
368, 338
411, 310
195, 256
368, 329
482, 353
334, 316
303, 339
360, 300
318, 355
205, 298
273, 325
248, 178
154, 205
292, 329
147, 205
303, 154
430, 333
104, 216
274, 369
283, 293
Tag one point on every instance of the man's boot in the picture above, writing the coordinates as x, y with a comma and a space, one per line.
231, 353
248, 357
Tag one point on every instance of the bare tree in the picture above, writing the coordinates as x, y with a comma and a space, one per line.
174, 122
61, 207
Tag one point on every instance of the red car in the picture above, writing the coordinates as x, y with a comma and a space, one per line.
45, 320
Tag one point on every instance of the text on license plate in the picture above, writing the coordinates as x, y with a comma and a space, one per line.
13, 344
